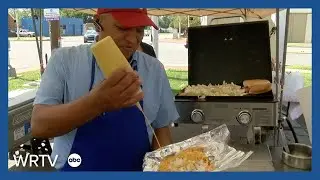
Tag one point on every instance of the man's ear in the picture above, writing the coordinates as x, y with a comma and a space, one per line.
96, 22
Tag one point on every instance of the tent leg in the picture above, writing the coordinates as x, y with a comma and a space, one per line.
284, 57
277, 73
282, 44
36, 35
277, 52
155, 36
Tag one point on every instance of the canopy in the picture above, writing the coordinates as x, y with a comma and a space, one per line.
246, 13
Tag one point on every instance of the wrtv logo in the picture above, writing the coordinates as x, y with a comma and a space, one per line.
32, 160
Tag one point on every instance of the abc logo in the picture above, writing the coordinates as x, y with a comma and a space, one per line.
74, 160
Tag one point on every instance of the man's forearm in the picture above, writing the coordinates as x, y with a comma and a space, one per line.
164, 137
55, 120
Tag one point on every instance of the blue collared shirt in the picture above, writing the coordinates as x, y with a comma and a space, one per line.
67, 77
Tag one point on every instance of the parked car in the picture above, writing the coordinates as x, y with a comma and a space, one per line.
90, 36
26, 33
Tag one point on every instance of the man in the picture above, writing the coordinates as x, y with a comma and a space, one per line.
96, 117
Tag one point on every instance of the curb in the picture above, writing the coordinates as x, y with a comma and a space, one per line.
28, 39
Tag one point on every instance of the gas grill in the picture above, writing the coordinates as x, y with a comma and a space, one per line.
231, 53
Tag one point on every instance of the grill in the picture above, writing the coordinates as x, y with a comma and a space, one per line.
230, 53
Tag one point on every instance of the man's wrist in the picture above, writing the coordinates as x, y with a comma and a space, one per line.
94, 103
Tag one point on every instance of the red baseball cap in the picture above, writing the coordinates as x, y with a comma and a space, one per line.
129, 18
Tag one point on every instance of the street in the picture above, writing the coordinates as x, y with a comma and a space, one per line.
24, 55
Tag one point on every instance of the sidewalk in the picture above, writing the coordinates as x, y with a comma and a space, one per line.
297, 48
170, 40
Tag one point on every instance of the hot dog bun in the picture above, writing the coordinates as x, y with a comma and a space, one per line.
257, 86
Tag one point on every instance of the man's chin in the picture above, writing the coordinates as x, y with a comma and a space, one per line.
127, 55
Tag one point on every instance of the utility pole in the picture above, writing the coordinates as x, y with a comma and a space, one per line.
55, 34
155, 35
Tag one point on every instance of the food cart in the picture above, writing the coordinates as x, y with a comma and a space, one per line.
266, 140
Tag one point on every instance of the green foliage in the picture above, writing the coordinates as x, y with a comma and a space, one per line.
20, 13
75, 14
165, 21
25, 13
194, 21
173, 21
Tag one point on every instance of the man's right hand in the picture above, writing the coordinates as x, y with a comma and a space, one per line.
120, 90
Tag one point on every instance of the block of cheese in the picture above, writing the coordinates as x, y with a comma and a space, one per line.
109, 57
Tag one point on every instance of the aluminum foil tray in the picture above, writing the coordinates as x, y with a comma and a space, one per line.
216, 147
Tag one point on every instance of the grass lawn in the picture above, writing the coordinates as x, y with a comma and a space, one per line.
307, 79
178, 79
23, 78
299, 67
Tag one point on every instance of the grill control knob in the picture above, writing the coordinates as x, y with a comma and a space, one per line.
244, 117
197, 116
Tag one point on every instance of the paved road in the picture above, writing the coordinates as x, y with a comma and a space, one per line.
24, 55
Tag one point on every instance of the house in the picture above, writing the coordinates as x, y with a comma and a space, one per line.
11, 26
300, 24
68, 26
11, 22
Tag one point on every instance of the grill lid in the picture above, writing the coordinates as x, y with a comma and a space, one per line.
229, 52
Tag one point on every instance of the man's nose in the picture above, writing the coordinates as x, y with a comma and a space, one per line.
132, 36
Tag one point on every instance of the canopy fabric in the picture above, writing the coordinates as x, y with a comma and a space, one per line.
245, 13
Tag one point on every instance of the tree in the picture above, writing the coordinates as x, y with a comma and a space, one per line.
165, 21
194, 21
19, 13
75, 14
22, 13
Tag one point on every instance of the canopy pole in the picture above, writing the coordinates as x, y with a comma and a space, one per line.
39, 45
275, 133
277, 52
284, 58
155, 36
